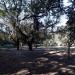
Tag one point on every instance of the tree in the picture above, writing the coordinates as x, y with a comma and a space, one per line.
50, 9
35, 10
11, 10
70, 11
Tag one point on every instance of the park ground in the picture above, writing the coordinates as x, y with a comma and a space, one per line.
40, 61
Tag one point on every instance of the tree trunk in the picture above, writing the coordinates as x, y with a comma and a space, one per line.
17, 43
68, 52
30, 45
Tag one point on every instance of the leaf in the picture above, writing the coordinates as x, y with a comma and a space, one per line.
2, 13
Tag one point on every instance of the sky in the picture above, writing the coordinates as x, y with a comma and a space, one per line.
66, 3
63, 18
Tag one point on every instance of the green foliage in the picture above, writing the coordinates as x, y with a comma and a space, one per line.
2, 13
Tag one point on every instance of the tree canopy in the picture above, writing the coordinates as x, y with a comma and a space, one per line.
19, 12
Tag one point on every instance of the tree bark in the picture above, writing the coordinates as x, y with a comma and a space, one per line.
30, 45
69, 45
17, 43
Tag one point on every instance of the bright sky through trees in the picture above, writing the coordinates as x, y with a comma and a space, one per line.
63, 18
66, 3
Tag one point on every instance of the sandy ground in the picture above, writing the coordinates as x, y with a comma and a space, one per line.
37, 62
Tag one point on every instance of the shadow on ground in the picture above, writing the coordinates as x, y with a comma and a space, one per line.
13, 62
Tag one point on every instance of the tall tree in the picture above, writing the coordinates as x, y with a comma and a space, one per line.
11, 10
70, 11
34, 9
45, 8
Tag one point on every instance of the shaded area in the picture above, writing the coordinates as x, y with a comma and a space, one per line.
23, 62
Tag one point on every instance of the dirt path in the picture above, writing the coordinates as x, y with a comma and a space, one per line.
39, 62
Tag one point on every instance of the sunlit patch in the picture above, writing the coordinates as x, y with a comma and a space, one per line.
53, 62
52, 73
73, 53
22, 72
66, 70
71, 66
42, 59
59, 54
56, 53
51, 52
64, 53
60, 64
